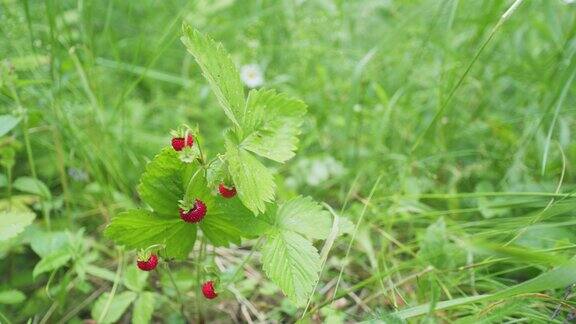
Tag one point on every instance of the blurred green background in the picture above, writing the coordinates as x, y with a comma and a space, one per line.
434, 125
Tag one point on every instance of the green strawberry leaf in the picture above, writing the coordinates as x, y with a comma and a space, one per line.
218, 225
305, 216
139, 229
292, 263
226, 220
33, 186
216, 173
105, 311
161, 185
267, 124
135, 279
229, 221
196, 187
271, 124
244, 220
144, 308
52, 261
13, 222
254, 182
218, 69
288, 258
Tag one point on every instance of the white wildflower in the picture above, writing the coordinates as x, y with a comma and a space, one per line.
323, 169
252, 75
334, 167
318, 173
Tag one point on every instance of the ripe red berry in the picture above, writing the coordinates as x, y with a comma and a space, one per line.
227, 192
208, 290
178, 143
148, 265
195, 214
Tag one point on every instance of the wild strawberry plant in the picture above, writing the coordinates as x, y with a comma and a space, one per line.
230, 196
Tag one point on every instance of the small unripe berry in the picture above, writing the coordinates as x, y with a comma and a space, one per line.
148, 265
195, 214
179, 143
208, 290
227, 192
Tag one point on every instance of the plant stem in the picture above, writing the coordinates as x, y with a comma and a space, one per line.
4, 318
246, 259
114, 285
25, 132
178, 293
507, 14
201, 255
364, 209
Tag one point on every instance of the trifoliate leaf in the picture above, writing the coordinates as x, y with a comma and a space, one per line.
292, 263
218, 69
139, 229
271, 124
44, 243
162, 182
254, 182
52, 261
105, 312
143, 308
305, 216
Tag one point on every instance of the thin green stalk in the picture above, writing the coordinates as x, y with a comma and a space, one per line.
114, 286
9, 175
563, 95
246, 259
178, 293
328, 244
480, 195
539, 215
199, 280
5, 319
81, 306
29, 153
354, 234
361, 285
94, 103
452, 92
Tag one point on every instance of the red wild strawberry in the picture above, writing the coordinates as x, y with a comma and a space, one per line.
208, 290
227, 192
195, 214
148, 265
178, 143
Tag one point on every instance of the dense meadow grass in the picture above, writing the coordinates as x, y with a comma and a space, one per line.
442, 129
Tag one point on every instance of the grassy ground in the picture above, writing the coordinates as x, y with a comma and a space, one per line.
443, 131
